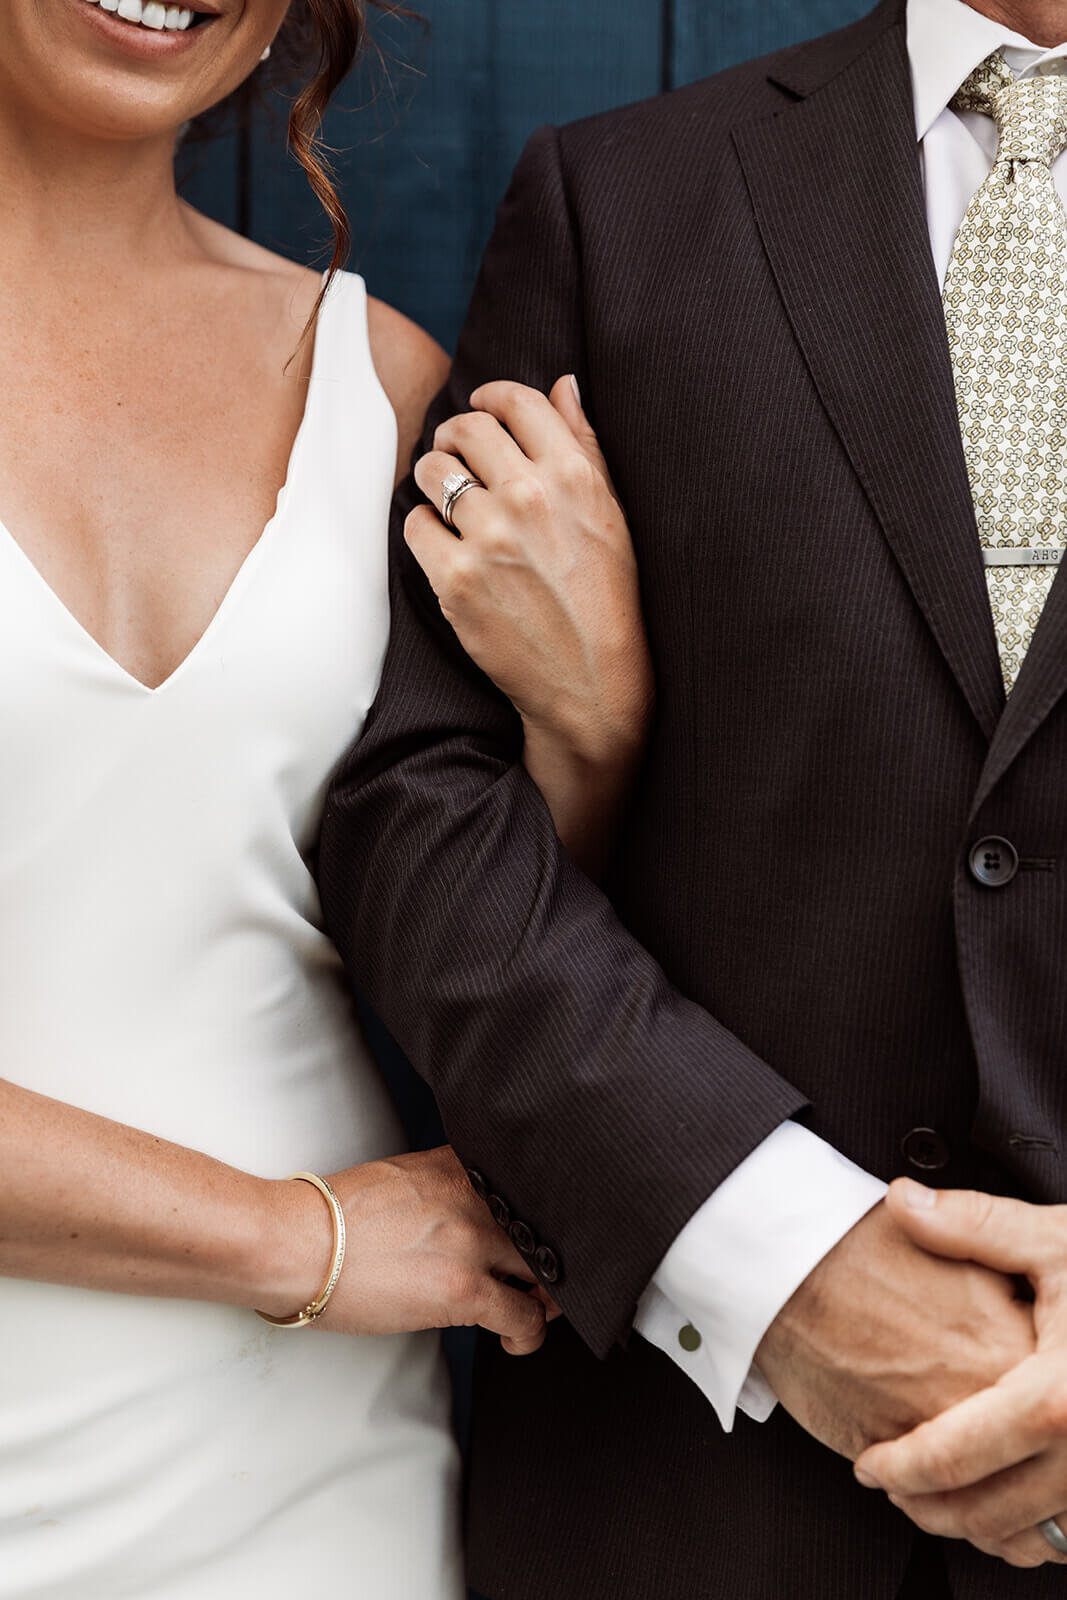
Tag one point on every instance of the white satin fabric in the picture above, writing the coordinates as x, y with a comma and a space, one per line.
164, 963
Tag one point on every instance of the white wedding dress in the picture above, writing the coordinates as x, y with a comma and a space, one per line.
163, 963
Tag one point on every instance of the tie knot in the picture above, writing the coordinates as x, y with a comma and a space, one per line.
1030, 113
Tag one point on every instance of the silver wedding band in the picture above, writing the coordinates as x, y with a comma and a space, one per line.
1054, 1535
453, 488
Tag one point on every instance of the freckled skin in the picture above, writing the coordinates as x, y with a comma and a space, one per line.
189, 368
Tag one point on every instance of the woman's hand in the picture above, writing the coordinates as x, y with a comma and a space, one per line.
991, 1468
422, 1252
540, 583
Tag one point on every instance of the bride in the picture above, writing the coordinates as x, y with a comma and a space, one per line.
199, 444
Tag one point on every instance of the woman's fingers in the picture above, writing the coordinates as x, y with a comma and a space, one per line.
477, 439
552, 1310
435, 548
431, 472
518, 1317
531, 419
565, 396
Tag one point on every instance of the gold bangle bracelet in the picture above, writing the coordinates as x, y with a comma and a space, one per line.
311, 1312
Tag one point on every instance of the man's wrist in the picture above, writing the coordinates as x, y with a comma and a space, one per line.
743, 1256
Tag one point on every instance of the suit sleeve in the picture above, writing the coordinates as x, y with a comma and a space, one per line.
601, 1106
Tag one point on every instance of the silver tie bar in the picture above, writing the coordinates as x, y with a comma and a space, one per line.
1033, 555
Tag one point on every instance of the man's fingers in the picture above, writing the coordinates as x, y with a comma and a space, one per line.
986, 1433
530, 418
1000, 1515
1002, 1507
1007, 1235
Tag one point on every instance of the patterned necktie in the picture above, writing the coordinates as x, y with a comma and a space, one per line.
1006, 310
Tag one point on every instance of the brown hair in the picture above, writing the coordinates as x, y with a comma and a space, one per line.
316, 47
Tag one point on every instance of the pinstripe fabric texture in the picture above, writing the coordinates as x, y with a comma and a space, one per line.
740, 274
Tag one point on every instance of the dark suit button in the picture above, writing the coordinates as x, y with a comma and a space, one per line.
994, 862
926, 1149
500, 1211
522, 1238
478, 1184
547, 1264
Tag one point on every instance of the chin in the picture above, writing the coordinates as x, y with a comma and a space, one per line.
128, 69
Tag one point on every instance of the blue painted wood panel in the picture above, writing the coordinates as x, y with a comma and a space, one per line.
426, 144
710, 35
431, 154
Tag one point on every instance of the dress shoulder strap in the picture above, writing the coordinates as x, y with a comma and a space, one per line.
353, 425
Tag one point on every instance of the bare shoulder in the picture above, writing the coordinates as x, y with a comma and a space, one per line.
291, 290
411, 367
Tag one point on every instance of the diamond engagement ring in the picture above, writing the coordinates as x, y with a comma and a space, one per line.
453, 488
1054, 1535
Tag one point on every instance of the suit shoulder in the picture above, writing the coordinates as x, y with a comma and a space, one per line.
720, 100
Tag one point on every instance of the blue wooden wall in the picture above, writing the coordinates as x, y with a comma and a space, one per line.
426, 145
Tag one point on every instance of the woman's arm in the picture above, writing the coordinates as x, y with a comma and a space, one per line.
92, 1203
539, 581
561, 629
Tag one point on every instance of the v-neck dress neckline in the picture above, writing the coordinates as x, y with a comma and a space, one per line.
21, 560
166, 965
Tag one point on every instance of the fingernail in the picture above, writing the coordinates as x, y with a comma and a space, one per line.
916, 1195
865, 1478
577, 391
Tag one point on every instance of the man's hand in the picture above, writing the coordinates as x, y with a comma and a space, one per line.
995, 1465
883, 1335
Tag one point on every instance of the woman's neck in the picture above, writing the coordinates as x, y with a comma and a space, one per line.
95, 212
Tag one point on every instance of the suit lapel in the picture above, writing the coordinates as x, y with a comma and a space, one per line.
834, 180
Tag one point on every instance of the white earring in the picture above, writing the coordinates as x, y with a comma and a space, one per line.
266, 54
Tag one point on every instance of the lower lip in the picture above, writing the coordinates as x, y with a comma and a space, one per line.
139, 43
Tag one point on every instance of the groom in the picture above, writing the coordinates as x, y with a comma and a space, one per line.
833, 948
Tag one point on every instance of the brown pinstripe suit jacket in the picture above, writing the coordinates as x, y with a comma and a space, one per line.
740, 274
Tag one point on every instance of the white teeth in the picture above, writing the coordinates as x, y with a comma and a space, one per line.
154, 14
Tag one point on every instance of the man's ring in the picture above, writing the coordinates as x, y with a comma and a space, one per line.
1054, 1534
453, 488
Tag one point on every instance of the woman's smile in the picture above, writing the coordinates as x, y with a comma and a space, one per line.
175, 19
147, 26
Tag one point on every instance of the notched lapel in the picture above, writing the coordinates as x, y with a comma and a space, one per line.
835, 184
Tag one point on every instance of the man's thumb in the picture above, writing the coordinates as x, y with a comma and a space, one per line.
1007, 1235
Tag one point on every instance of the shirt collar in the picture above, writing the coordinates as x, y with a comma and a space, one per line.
947, 39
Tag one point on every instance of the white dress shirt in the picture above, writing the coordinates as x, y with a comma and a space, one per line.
734, 1266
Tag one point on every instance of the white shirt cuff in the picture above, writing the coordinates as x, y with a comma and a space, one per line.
744, 1254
